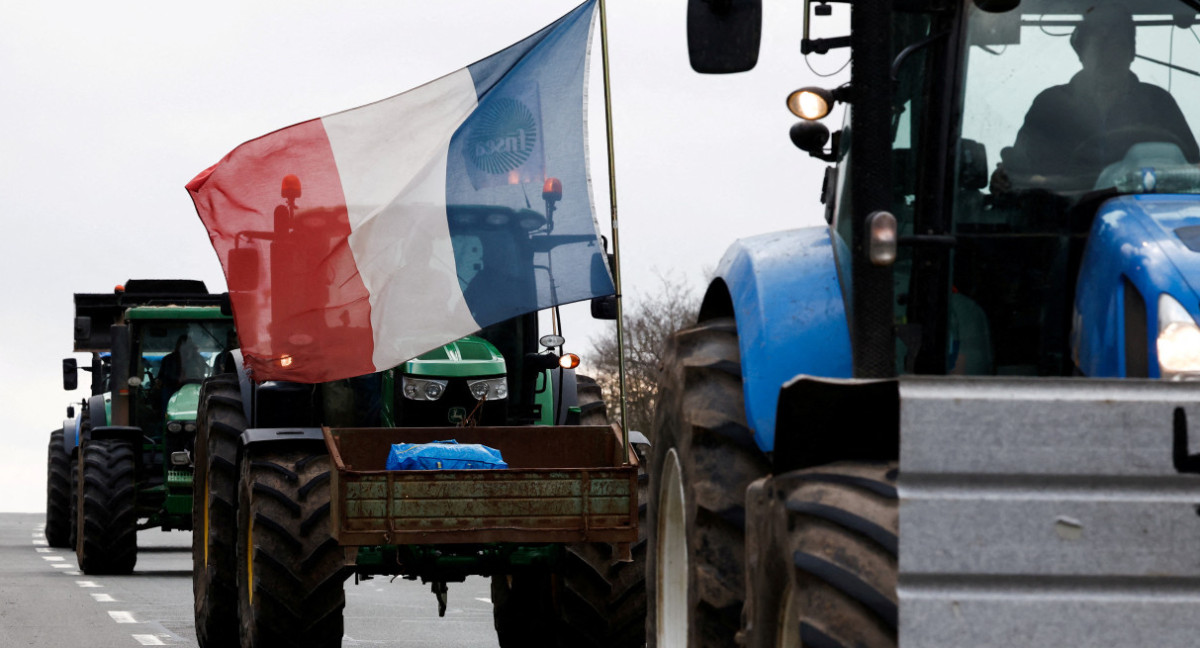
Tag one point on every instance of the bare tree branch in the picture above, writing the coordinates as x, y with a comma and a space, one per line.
648, 323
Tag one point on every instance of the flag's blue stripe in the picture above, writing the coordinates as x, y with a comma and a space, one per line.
529, 125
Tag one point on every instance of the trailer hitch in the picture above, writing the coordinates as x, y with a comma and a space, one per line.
440, 590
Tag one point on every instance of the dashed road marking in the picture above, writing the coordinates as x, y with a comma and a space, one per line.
121, 616
73, 573
42, 549
149, 640
103, 598
40, 542
61, 566
87, 583
485, 600
52, 558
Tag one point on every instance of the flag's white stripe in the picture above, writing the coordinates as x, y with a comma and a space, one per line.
391, 158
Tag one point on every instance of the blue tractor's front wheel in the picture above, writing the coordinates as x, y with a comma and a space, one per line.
703, 459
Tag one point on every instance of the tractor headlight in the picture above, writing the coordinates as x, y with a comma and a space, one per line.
493, 388
174, 426
1178, 341
422, 389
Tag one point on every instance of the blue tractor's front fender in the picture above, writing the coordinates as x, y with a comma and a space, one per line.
784, 294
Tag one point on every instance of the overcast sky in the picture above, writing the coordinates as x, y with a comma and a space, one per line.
110, 108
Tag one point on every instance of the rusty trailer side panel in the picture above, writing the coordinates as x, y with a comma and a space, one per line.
563, 484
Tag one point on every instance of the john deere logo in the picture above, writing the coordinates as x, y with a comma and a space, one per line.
456, 415
503, 137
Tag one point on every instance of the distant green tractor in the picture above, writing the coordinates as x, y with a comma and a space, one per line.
153, 343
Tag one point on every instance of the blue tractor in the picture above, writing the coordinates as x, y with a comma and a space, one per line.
878, 432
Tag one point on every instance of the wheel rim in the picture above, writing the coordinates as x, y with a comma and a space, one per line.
672, 576
789, 620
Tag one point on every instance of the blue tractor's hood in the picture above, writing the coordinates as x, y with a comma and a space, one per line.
1166, 221
1137, 242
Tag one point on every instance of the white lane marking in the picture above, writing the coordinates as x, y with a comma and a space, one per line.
52, 558
40, 542
103, 598
42, 549
87, 583
73, 573
61, 566
149, 640
485, 600
122, 617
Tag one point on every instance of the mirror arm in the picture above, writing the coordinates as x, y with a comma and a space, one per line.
911, 49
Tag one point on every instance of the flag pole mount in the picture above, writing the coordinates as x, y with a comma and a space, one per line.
616, 237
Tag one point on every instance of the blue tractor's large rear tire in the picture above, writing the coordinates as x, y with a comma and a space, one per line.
822, 547
58, 493
214, 512
703, 459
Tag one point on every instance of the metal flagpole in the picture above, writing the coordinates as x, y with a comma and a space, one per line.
612, 197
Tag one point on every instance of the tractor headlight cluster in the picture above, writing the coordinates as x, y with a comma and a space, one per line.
176, 427
492, 388
422, 389
1178, 341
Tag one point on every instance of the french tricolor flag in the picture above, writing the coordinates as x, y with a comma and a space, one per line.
357, 241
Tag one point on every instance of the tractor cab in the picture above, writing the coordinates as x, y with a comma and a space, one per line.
174, 350
1027, 141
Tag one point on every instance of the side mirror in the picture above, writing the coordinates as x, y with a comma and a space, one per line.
723, 35
809, 136
70, 411
242, 273
70, 374
604, 308
83, 328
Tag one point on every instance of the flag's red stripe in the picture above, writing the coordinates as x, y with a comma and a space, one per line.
301, 308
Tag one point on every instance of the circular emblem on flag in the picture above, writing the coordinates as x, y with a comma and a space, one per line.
503, 136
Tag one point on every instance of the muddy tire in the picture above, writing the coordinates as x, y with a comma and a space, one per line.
602, 602
521, 604
824, 562
592, 410
702, 460
214, 512
593, 600
290, 569
107, 533
58, 493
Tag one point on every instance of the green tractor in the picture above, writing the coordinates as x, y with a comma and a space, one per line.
293, 497
152, 342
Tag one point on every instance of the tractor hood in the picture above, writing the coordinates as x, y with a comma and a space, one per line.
1175, 223
1163, 232
183, 404
1147, 243
463, 358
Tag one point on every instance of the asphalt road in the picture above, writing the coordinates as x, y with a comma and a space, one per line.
46, 601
